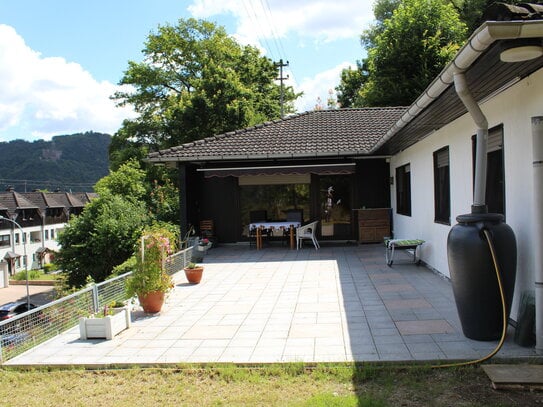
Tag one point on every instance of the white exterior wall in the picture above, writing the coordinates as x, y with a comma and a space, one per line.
514, 109
31, 245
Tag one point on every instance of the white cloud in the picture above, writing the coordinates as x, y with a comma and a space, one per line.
318, 87
266, 19
311, 22
42, 97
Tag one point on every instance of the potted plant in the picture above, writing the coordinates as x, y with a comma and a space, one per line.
201, 246
105, 324
149, 280
193, 272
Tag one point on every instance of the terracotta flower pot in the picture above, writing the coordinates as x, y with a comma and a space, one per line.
152, 302
194, 275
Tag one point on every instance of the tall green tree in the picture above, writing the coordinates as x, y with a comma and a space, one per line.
104, 234
350, 85
413, 47
128, 181
194, 81
388, 75
100, 238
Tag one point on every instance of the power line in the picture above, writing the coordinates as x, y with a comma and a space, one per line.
261, 39
28, 183
268, 16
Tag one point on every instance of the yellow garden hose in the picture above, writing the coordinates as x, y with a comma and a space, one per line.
504, 310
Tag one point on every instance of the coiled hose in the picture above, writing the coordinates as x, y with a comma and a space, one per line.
504, 310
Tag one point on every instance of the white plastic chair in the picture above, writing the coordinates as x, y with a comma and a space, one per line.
308, 231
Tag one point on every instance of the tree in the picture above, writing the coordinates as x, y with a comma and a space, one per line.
195, 81
100, 238
413, 47
408, 34
104, 234
471, 11
351, 82
127, 181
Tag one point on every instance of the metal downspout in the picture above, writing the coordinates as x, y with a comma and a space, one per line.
537, 139
480, 120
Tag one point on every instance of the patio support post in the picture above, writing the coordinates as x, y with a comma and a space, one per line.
183, 205
537, 139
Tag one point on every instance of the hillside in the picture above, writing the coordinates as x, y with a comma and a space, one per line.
69, 163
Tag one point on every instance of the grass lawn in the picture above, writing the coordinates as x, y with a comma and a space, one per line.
268, 385
34, 275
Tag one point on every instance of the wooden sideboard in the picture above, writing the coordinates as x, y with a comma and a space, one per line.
373, 224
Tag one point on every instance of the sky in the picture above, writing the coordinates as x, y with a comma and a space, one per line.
61, 60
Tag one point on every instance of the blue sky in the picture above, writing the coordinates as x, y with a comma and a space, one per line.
61, 60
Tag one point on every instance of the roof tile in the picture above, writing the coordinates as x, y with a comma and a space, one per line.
317, 133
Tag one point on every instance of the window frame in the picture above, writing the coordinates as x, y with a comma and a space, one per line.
495, 158
403, 189
442, 186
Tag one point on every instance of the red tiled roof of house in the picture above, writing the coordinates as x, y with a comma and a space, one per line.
321, 133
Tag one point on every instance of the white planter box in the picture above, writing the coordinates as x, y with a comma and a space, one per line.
105, 328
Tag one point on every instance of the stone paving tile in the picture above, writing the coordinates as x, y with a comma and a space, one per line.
424, 327
278, 305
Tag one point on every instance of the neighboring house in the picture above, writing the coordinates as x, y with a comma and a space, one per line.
418, 160
41, 216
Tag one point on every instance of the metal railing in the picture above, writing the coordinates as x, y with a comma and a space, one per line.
24, 331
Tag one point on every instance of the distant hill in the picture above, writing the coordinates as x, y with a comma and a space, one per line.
69, 163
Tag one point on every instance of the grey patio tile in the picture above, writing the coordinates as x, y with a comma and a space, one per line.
458, 350
403, 315
384, 331
171, 333
424, 327
388, 339
380, 323
282, 333
187, 343
211, 331
314, 330
424, 347
342, 303
431, 356
408, 339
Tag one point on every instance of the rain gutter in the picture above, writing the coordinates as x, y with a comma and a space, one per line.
477, 44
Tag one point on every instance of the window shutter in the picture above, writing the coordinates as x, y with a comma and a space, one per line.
494, 141
442, 158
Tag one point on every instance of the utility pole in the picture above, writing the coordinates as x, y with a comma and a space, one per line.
280, 65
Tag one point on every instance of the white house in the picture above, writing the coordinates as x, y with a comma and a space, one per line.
29, 225
433, 143
422, 156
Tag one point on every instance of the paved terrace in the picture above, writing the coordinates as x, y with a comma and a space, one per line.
280, 305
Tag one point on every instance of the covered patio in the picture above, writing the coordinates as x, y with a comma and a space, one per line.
340, 303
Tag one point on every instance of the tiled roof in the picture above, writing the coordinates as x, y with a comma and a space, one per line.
42, 200
321, 133
13, 201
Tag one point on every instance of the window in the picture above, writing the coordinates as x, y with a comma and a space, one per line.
403, 190
495, 179
52, 233
4, 240
46, 234
442, 194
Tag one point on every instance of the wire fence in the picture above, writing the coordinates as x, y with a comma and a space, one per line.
24, 331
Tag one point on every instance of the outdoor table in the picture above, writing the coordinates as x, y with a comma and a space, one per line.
291, 226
